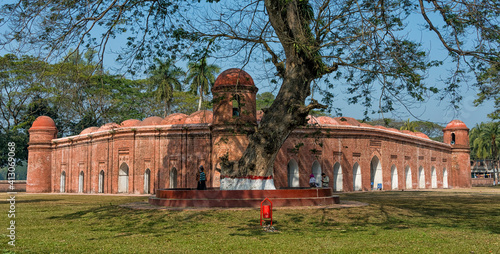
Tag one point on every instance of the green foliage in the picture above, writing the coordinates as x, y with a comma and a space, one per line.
164, 80
201, 78
409, 126
484, 140
264, 100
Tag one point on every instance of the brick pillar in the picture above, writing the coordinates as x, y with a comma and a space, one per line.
456, 134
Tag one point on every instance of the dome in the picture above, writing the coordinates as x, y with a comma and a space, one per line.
130, 123
43, 122
89, 130
202, 116
176, 118
153, 120
234, 77
347, 121
456, 124
422, 135
326, 120
366, 125
312, 120
108, 126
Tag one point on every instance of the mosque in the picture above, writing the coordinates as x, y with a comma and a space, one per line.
157, 153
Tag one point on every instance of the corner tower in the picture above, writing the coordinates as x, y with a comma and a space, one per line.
234, 118
234, 98
41, 134
456, 134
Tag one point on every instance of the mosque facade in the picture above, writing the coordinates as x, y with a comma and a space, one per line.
157, 153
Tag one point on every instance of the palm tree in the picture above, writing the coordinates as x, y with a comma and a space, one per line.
163, 80
201, 78
485, 142
409, 126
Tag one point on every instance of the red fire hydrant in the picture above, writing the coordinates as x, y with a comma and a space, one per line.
266, 211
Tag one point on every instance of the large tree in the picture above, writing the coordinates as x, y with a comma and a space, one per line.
362, 44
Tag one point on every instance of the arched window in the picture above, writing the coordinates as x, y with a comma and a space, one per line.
236, 105
173, 178
453, 138
337, 177
408, 178
356, 177
123, 178
293, 173
80, 182
421, 178
445, 178
147, 177
375, 173
316, 170
62, 187
394, 177
433, 178
101, 182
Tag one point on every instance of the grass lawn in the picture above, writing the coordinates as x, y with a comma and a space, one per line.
463, 221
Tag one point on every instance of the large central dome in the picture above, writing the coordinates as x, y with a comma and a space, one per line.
234, 77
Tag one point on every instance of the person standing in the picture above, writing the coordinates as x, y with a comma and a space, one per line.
324, 180
202, 179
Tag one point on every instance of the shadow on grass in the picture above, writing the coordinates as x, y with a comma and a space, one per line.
452, 210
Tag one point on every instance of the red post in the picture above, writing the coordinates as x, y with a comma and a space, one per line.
266, 211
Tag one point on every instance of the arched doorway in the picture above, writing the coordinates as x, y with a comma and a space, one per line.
434, 183
123, 178
62, 187
337, 177
356, 177
375, 173
445, 178
293, 173
101, 182
80, 182
147, 177
409, 184
394, 177
316, 170
421, 178
173, 178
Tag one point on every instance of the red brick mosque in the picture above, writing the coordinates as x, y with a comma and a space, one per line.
157, 153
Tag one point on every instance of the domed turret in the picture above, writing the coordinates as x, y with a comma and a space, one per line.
41, 133
456, 134
234, 95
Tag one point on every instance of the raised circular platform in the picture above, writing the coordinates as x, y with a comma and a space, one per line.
243, 198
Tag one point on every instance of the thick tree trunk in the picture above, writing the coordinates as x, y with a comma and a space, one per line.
255, 168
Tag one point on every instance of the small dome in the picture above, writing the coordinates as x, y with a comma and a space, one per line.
312, 120
393, 129
380, 127
89, 130
233, 77
422, 135
456, 124
153, 120
202, 116
130, 123
109, 126
326, 120
176, 118
366, 125
347, 121
43, 122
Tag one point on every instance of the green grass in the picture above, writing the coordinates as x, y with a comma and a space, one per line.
394, 222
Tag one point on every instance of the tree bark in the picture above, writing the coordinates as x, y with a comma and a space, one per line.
288, 111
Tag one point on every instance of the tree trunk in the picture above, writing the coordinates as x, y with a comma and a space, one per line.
255, 168
200, 101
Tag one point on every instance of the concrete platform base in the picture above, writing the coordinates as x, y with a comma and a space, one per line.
243, 198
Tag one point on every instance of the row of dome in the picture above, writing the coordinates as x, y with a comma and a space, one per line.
206, 116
